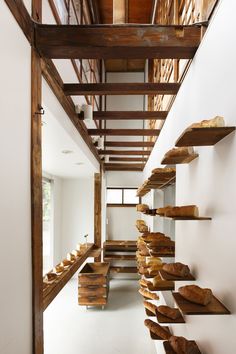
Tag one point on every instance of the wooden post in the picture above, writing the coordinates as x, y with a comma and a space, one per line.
176, 22
36, 191
98, 212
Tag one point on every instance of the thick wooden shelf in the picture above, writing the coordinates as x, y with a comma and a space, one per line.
123, 269
167, 276
161, 288
163, 319
203, 136
120, 246
50, 291
169, 350
199, 218
155, 337
179, 159
119, 257
215, 307
161, 254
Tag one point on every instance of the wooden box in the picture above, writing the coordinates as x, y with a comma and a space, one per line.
93, 284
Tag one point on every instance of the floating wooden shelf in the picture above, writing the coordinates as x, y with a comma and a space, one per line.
203, 136
163, 319
155, 337
50, 291
120, 246
215, 307
167, 276
169, 350
119, 257
199, 218
161, 288
179, 159
161, 254
123, 269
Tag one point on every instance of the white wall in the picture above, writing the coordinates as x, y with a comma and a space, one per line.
209, 181
15, 230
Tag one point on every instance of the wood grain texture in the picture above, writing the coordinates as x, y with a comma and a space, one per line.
124, 132
168, 349
133, 88
143, 115
97, 212
125, 152
127, 159
129, 143
117, 41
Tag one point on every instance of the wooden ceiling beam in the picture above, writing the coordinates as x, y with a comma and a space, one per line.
125, 152
124, 132
141, 88
120, 115
123, 165
116, 41
124, 168
129, 143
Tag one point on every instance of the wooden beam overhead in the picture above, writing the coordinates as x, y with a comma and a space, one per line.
129, 143
136, 115
124, 132
124, 165
128, 159
125, 152
116, 41
142, 88
125, 168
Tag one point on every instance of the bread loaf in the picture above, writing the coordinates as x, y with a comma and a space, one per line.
164, 170
144, 283
58, 269
49, 277
66, 263
76, 253
178, 269
181, 345
162, 211
187, 210
196, 294
70, 257
148, 294
142, 207
168, 312
157, 329
149, 306
153, 261
210, 123
180, 151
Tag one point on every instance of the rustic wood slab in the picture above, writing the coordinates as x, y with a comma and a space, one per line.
163, 319
215, 307
199, 218
161, 254
151, 287
119, 257
155, 337
167, 276
203, 136
179, 159
169, 350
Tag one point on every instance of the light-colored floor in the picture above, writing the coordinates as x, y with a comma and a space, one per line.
118, 329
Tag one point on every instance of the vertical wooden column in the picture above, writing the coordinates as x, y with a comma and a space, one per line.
176, 22
98, 211
36, 191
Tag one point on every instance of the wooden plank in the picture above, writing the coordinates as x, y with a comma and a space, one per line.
97, 212
22, 17
164, 319
54, 80
124, 152
123, 165
119, 257
123, 269
166, 276
128, 168
142, 115
128, 159
65, 277
125, 132
168, 349
117, 41
176, 160
133, 88
129, 143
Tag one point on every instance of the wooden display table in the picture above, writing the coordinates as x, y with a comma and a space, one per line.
93, 282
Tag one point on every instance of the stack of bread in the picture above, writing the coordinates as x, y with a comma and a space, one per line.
179, 152
161, 245
141, 226
142, 207
179, 211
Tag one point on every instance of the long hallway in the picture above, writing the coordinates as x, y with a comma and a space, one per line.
118, 329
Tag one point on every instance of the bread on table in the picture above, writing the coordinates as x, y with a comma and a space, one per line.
50, 277
142, 207
180, 151
158, 282
148, 294
149, 306
66, 263
58, 269
187, 210
178, 269
157, 329
144, 283
216, 122
196, 294
169, 312
181, 345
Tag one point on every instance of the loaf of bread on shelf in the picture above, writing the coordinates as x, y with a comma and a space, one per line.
144, 282
169, 312
58, 269
196, 294
76, 253
158, 282
142, 207
50, 277
152, 236
149, 306
178, 269
152, 261
216, 122
66, 263
164, 170
181, 345
180, 151
71, 257
142, 270
162, 211
157, 329
148, 294
182, 211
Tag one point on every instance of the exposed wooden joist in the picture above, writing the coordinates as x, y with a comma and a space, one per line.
125, 152
129, 143
124, 132
128, 159
117, 41
142, 88
137, 115
123, 165
125, 168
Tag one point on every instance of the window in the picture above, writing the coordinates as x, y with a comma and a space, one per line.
47, 226
122, 197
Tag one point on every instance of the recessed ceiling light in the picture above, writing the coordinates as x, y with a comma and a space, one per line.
79, 163
67, 151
